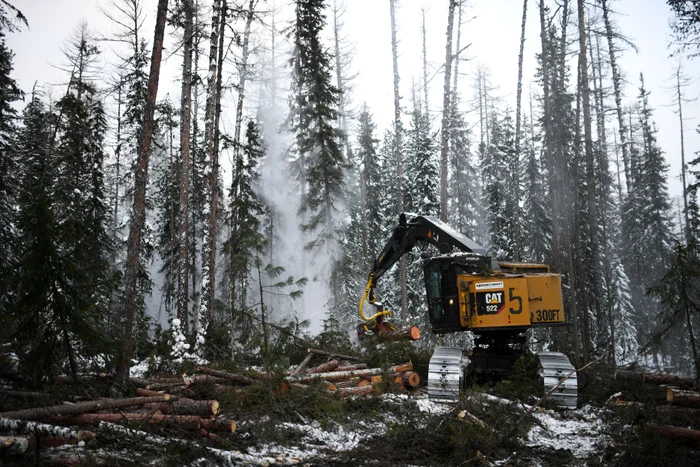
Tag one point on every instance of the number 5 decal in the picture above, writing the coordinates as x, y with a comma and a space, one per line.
511, 298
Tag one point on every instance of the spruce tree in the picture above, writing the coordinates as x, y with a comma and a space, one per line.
313, 116
370, 181
9, 184
56, 314
421, 195
245, 210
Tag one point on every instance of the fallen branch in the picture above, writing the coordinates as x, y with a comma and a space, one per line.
302, 365
232, 457
75, 409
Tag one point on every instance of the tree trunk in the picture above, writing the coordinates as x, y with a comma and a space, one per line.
302, 365
63, 410
131, 272
187, 421
518, 101
617, 87
243, 73
185, 135
445, 132
592, 197
425, 65
546, 106
398, 130
685, 190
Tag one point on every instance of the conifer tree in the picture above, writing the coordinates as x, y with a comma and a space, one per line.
421, 194
9, 93
646, 223
370, 183
313, 116
56, 318
245, 211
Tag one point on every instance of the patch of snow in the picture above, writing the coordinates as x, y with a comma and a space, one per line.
579, 431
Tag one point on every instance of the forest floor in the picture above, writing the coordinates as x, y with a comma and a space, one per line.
488, 426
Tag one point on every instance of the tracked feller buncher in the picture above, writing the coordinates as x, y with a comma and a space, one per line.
467, 290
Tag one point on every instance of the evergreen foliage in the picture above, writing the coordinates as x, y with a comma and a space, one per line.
57, 318
420, 155
9, 180
244, 214
313, 116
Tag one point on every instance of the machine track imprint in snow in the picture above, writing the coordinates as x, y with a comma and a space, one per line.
467, 290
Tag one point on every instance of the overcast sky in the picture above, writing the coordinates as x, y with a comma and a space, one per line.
493, 33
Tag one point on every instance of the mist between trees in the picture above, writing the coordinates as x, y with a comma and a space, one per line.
264, 191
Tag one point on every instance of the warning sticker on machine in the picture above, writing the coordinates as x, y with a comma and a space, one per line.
488, 285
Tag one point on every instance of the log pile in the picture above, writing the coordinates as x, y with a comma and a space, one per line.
339, 376
180, 405
683, 405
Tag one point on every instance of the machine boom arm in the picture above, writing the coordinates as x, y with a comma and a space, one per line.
427, 229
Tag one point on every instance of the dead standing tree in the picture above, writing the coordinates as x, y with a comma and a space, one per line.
444, 134
139, 206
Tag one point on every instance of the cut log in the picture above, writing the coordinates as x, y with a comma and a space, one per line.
302, 365
187, 421
343, 375
186, 407
158, 386
410, 333
233, 377
26, 394
654, 378
148, 393
684, 398
363, 382
348, 383
219, 424
22, 426
140, 382
411, 379
14, 445
323, 368
672, 432
60, 410
216, 439
359, 366
356, 391
376, 379
333, 355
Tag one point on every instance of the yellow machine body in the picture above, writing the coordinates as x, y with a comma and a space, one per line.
510, 301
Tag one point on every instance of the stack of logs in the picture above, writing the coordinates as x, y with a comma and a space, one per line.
173, 401
341, 377
681, 401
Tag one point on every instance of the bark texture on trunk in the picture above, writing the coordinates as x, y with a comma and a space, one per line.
445, 133
133, 256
